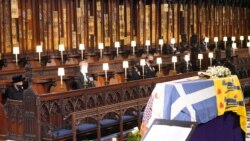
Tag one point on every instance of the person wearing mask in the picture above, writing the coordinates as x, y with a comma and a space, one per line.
149, 68
133, 72
202, 46
15, 91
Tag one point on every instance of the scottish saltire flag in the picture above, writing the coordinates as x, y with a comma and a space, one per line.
195, 100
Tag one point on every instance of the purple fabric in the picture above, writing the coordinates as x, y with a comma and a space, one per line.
222, 128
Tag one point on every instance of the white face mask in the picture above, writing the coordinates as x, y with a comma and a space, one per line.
19, 85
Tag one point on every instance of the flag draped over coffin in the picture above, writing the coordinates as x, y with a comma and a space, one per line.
195, 100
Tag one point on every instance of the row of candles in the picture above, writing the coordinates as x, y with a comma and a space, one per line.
105, 66
61, 47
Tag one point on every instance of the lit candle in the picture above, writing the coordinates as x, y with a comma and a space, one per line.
61, 73
200, 57
101, 47
233, 39
142, 63
114, 139
234, 47
159, 62
147, 45
248, 37
206, 42
225, 41
211, 55
216, 41
161, 44
248, 45
187, 58
81, 48
172, 41
61, 49
117, 45
39, 49
16, 52
241, 41
125, 66
174, 60
133, 45
105, 67
84, 71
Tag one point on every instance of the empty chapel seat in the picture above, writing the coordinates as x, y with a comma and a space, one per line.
61, 133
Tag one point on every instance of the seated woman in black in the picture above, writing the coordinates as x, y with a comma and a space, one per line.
15, 91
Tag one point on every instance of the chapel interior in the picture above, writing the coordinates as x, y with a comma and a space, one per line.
90, 69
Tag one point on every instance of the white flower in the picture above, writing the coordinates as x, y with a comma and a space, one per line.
218, 71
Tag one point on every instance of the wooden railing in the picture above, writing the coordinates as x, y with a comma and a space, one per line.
44, 114
99, 113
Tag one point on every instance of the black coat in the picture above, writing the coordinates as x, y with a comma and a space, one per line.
12, 93
202, 47
134, 73
149, 71
79, 82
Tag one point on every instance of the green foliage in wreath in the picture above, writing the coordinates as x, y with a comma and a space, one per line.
134, 136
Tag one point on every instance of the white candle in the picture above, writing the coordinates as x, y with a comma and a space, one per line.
39, 49
81, 48
200, 57
61, 49
147, 45
105, 67
133, 44
101, 47
187, 58
211, 55
159, 62
206, 42
172, 41
161, 44
225, 38
234, 47
241, 38
248, 37
61, 73
16, 52
125, 66
206, 39
248, 45
225, 41
233, 38
117, 45
174, 60
216, 41
142, 63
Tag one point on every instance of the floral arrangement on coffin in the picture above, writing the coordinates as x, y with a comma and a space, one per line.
215, 72
134, 135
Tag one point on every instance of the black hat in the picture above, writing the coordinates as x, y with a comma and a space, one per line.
17, 78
